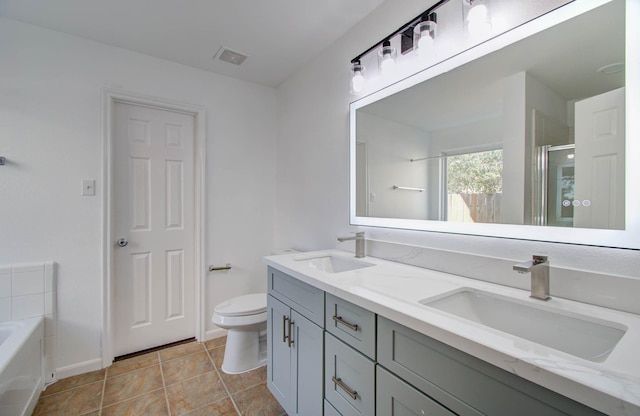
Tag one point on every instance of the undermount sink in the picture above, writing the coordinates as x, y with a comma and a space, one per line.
335, 264
579, 335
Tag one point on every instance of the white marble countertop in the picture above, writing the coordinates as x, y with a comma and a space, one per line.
393, 290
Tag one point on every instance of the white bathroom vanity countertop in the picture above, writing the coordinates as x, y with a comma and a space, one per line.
393, 290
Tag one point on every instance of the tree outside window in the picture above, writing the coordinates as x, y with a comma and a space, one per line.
474, 186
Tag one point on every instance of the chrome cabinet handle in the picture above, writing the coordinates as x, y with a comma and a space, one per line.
284, 328
338, 382
290, 330
122, 242
339, 320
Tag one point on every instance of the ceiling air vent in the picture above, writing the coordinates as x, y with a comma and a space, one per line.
229, 56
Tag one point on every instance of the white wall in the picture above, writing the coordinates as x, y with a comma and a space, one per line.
390, 146
522, 94
50, 133
313, 156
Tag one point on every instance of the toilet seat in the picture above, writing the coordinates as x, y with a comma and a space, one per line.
253, 304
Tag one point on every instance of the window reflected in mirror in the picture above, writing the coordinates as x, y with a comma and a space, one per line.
473, 184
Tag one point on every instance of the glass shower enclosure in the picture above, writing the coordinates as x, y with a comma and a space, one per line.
555, 185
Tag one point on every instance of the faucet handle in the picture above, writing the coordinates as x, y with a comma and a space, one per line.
360, 234
540, 259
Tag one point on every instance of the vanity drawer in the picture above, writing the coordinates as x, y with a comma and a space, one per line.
396, 397
349, 379
462, 383
302, 297
352, 324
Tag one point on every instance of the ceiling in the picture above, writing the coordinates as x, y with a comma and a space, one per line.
279, 36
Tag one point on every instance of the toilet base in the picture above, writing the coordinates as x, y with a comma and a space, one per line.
244, 351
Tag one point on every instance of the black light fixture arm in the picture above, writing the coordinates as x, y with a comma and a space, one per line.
409, 25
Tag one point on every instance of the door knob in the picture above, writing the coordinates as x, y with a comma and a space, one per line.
122, 242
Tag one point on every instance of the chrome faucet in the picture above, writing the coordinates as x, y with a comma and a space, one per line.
538, 266
359, 237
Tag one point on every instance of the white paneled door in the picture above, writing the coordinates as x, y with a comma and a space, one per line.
600, 161
153, 227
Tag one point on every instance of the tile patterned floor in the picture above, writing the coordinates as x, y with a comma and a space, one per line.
181, 380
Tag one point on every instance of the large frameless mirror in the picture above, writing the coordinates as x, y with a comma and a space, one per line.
525, 141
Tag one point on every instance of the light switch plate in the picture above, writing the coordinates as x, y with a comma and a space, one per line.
88, 187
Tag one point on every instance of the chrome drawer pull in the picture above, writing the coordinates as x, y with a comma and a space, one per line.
284, 328
338, 382
339, 320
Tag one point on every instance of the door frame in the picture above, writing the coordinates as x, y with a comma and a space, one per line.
111, 96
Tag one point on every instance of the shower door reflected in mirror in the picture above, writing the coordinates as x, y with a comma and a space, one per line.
558, 181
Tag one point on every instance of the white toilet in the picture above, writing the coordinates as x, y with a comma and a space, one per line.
245, 318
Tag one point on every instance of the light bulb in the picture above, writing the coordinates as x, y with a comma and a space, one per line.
387, 59
424, 34
477, 13
478, 22
387, 65
357, 82
357, 77
425, 43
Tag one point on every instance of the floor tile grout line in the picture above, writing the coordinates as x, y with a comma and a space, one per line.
182, 355
209, 354
102, 406
193, 375
203, 406
235, 406
250, 387
71, 388
190, 378
219, 400
137, 396
133, 370
164, 386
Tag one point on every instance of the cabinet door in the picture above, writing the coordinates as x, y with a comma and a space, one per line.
279, 354
394, 397
306, 354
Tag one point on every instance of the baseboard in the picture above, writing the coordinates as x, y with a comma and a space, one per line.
96, 364
78, 368
215, 333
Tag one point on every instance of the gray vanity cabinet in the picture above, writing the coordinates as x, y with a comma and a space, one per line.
462, 383
367, 365
295, 345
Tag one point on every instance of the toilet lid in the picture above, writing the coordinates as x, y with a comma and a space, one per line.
243, 305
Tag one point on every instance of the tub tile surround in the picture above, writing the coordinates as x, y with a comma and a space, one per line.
29, 290
394, 290
149, 384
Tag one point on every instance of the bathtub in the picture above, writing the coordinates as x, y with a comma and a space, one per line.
21, 365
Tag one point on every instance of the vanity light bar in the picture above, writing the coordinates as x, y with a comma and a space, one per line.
406, 30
